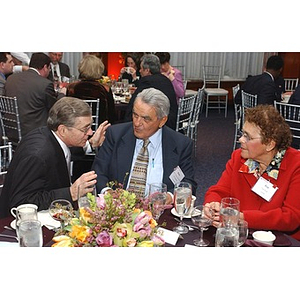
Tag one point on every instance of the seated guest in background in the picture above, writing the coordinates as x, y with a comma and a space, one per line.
172, 73
58, 68
21, 61
295, 97
151, 77
35, 93
167, 149
99, 55
131, 71
39, 170
264, 174
6, 68
89, 86
263, 85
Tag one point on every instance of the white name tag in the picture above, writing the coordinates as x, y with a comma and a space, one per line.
264, 188
177, 175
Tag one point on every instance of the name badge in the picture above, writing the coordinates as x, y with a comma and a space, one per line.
177, 175
264, 189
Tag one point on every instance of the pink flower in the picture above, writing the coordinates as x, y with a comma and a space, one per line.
101, 201
104, 239
121, 232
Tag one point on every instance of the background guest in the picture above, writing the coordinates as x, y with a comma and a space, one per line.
35, 93
6, 68
39, 170
21, 61
131, 71
172, 73
263, 85
58, 68
151, 77
167, 149
264, 158
295, 97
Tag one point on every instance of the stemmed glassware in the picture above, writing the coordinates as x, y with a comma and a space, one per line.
157, 199
182, 202
202, 216
61, 210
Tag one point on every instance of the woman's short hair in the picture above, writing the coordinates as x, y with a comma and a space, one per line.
156, 99
65, 111
272, 125
90, 67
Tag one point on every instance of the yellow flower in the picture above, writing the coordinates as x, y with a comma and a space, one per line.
62, 241
145, 244
84, 214
79, 232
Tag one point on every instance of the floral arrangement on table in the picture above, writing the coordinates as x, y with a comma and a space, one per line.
116, 218
105, 80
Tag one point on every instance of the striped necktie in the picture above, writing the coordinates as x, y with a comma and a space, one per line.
139, 173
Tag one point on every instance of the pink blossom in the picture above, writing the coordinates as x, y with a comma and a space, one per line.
104, 239
101, 201
121, 232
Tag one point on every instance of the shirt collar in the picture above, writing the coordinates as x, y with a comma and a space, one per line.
63, 145
2, 75
251, 166
270, 75
35, 70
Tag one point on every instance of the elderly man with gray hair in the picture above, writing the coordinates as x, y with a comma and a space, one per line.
166, 150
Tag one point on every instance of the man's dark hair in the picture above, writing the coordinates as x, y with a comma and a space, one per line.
3, 56
275, 62
38, 60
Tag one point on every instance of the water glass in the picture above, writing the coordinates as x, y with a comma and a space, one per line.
243, 232
157, 198
227, 236
30, 233
229, 211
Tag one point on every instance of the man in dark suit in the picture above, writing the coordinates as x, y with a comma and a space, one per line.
168, 149
263, 85
39, 170
35, 93
58, 68
151, 77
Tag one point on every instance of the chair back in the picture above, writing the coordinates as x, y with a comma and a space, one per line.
291, 114
290, 84
10, 120
94, 104
185, 113
248, 100
235, 89
211, 76
5, 159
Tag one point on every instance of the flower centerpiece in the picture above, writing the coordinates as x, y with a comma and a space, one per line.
116, 218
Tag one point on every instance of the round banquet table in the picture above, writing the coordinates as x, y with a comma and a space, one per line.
167, 221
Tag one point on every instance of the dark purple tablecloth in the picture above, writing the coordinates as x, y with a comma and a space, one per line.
282, 240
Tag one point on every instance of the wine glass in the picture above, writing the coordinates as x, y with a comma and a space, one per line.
229, 211
243, 232
202, 216
61, 210
158, 198
182, 201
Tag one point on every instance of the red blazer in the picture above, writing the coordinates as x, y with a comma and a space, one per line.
282, 212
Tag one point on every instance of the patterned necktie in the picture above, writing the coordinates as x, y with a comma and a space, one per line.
139, 173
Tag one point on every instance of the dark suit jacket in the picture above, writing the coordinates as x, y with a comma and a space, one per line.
162, 83
64, 71
37, 174
295, 97
114, 158
261, 85
35, 95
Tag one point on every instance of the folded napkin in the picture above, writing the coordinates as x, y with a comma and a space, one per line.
46, 220
9, 244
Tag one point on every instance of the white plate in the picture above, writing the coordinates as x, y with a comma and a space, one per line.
13, 224
173, 212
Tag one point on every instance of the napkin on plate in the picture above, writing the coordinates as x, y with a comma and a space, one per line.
46, 220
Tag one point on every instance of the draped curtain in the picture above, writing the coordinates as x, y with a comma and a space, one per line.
235, 65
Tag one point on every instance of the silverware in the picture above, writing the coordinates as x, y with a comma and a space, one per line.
8, 236
191, 227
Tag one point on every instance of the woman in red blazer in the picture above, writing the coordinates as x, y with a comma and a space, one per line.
265, 153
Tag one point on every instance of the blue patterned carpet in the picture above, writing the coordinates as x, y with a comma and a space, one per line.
214, 147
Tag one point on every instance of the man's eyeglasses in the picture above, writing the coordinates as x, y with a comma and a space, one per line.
247, 138
85, 130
